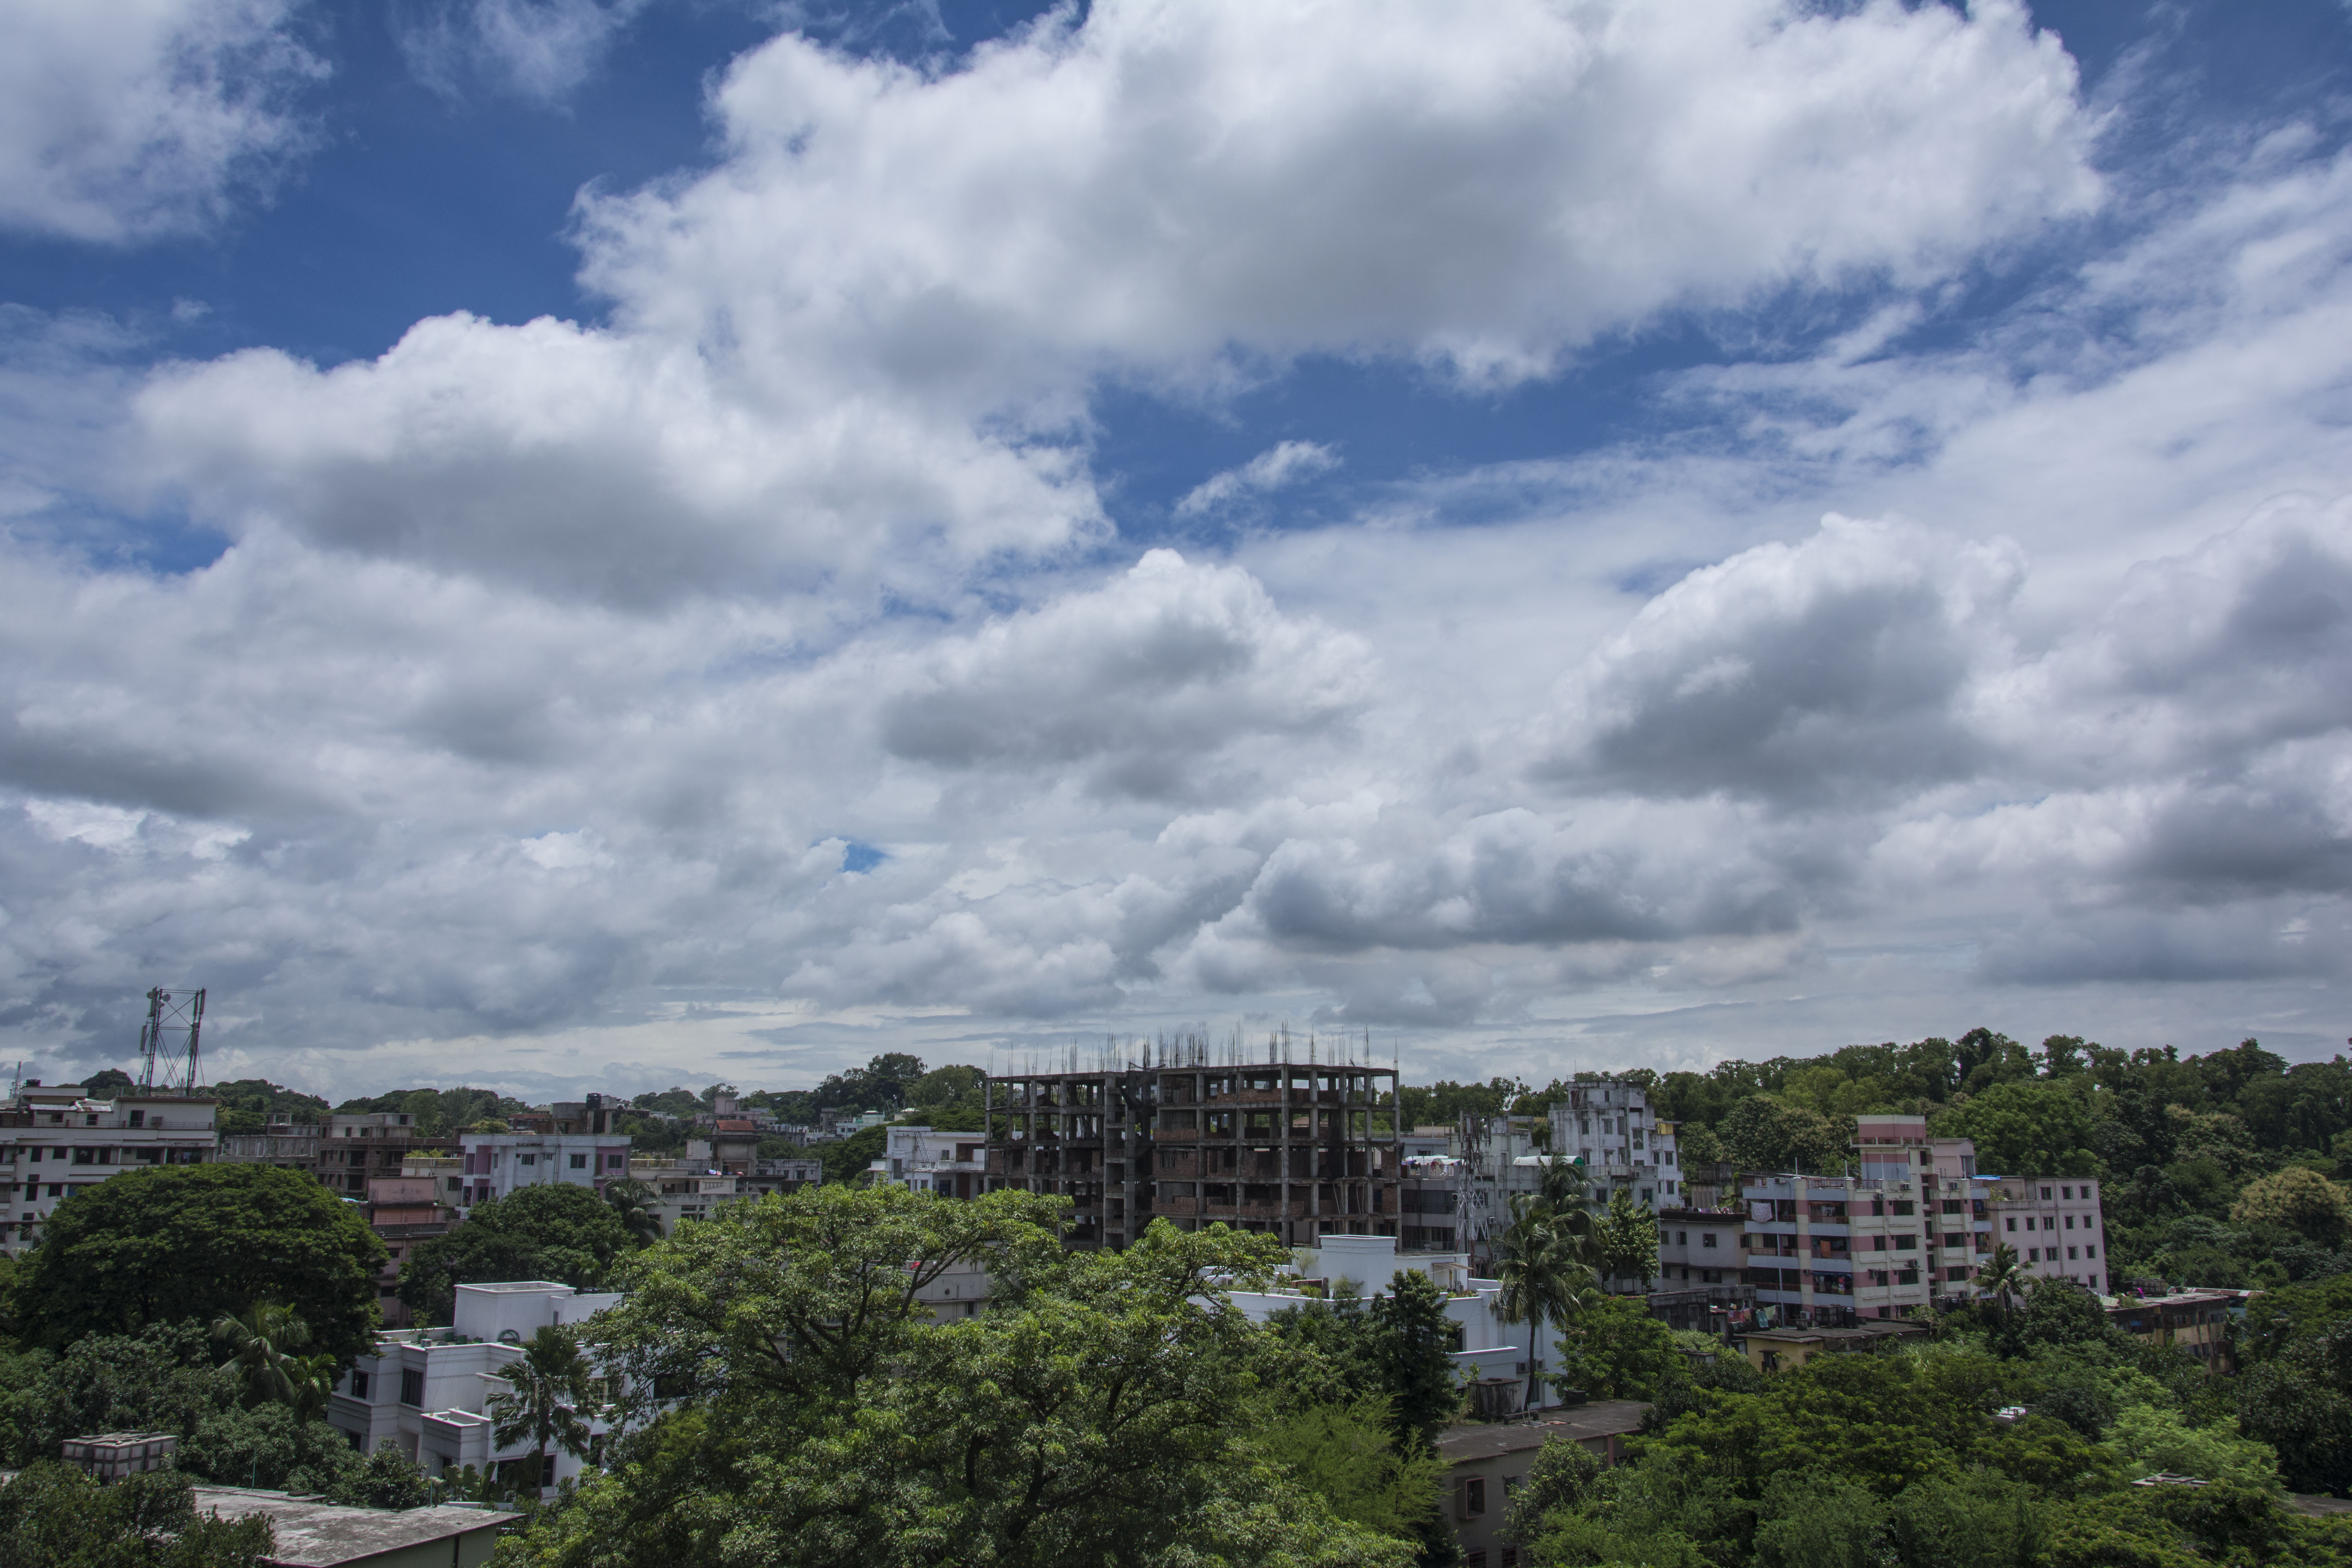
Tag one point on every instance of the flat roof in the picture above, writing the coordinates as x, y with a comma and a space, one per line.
314, 1535
1888, 1328
1574, 1423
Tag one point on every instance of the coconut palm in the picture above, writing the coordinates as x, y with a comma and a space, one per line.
633, 1200
550, 1382
1546, 1272
263, 1342
2005, 1276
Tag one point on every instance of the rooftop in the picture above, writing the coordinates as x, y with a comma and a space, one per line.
314, 1535
1892, 1328
1575, 1424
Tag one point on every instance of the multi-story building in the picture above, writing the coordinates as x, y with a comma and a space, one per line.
1827, 1251
952, 1165
2056, 1224
282, 1141
498, 1163
1300, 1150
57, 1141
1610, 1125
356, 1146
1702, 1280
404, 1210
430, 1391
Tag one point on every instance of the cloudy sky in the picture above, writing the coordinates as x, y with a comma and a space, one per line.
593, 543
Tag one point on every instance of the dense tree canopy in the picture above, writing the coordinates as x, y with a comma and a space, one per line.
556, 1231
1100, 1410
202, 1242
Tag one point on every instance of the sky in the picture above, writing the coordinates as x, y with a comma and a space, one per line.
568, 545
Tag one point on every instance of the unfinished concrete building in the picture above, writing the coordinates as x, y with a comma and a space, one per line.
1191, 1133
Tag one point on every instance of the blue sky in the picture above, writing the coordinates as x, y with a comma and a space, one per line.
583, 544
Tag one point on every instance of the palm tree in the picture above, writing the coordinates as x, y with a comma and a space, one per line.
263, 1341
2005, 1276
314, 1384
1545, 1268
548, 1382
633, 1200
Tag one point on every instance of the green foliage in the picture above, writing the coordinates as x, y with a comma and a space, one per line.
1625, 1240
52, 1516
1444, 1103
247, 1104
1342, 1455
1396, 1349
845, 1159
2037, 1127
1615, 1349
2300, 1199
1817, 1520
1764, 1132
267, 1446
2152, 1439
161, 1379
553, 1231
670, 1101
1099, 1411
385, 1478
441, 1113
204, 1242
539, 1404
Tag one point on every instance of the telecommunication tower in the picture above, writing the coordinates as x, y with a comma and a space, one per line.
168, 1041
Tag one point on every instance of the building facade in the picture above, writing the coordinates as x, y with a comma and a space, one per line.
498, 1163
2055, 1223
430, 1391
282, 1141
57, 1141
403, 1211
356, 1147
1300, 1150
952, 1165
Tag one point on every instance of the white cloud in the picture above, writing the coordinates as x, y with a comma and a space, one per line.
864, 344
138, 118
1284, 464
539, 49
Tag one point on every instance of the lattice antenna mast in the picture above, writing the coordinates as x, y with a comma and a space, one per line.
169, 1042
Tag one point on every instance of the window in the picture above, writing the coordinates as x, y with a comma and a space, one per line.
2045, 1192
1706, 1238
1951, 1205
1474, 1497
1903, 1206
525, 1159
1682, 1239
2029, 1222
138, 1119
411, 1385
2090, 1252
2012, 1222
2066, 1193
579, 1162
2070, 1254
1907, 1244
359, 1384
2033, 1255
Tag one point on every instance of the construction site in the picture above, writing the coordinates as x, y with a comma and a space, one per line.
1190, 1131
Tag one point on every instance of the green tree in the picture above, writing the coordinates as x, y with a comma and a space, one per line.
1762, 1133
634, 1202
1615, 1349
52, 1516
2300, 1199
202, 1242
1413, 1345
262, 1344
2004, 1277
269, 1447
1341, 1454
2026, 1127
161, 1379
1625, 1240
546, 1387
1099, 1411
385, 1478
1547, 1277
556, 1231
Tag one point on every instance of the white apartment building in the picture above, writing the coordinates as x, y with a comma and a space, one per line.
952, 1165
497, 1163
1610, 1125
57, 1141
2054, 1222
430, 1390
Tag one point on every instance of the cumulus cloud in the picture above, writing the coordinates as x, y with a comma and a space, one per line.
1284, 464
1144, 685
539, 50
123, 121
1839, 664
865, 343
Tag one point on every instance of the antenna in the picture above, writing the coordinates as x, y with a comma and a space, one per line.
168, 1038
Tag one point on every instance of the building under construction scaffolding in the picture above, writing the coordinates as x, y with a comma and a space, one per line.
1193, 1133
